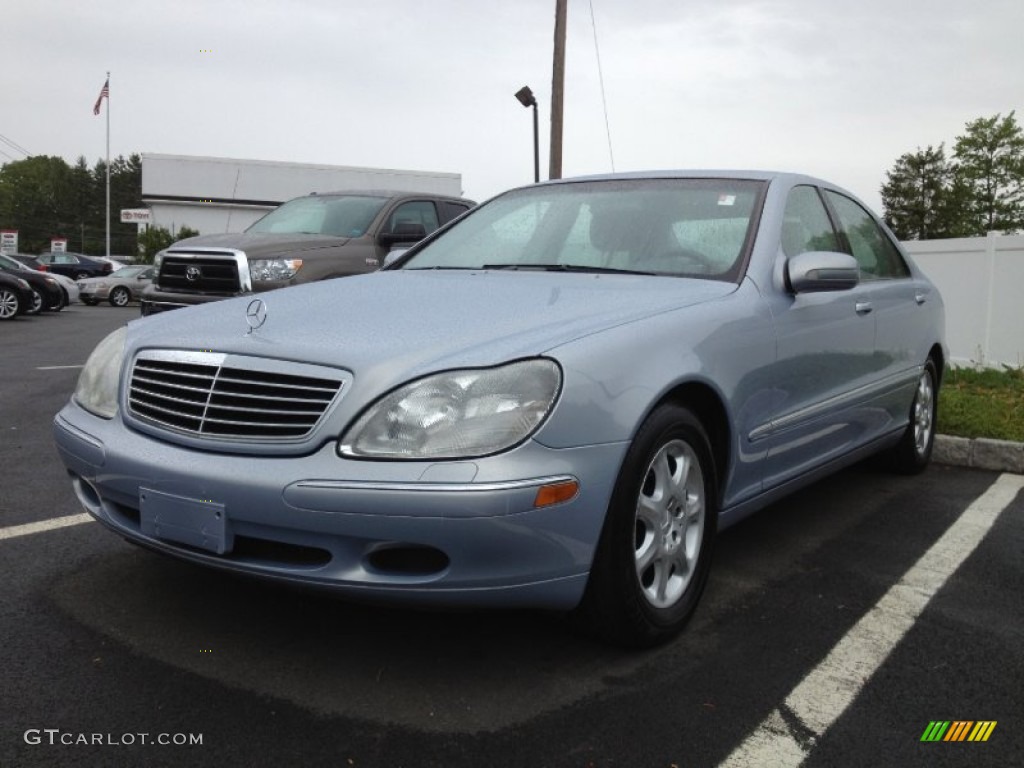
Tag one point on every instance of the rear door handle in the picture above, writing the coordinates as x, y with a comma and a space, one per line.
920, 298
863, 307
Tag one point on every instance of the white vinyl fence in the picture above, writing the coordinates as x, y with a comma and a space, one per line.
982, 283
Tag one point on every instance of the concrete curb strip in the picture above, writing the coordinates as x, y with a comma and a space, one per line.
980, 453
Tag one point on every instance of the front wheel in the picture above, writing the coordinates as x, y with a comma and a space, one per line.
654, 555
10, 304
120, 297
36, 303
912, 454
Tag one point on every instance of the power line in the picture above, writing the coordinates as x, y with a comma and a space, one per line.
15, 146
600, 77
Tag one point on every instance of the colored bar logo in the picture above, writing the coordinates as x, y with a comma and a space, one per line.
958, 730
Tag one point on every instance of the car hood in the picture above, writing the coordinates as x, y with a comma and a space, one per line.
390, 326
262, 243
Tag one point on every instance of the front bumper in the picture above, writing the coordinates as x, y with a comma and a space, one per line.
456, 533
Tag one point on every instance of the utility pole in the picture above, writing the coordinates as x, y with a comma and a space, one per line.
557, 91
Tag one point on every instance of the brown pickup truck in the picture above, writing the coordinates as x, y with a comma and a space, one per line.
316, 237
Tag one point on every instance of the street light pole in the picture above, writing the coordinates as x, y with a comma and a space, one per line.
527, 99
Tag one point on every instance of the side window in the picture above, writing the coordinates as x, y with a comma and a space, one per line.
871, 247
450, 210
417, 218
805, 225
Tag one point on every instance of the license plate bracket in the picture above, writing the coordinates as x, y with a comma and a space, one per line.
201, 523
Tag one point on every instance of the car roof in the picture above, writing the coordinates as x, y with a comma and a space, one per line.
387, 193
691, 173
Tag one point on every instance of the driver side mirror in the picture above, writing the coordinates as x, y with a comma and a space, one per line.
817, 271
403, 232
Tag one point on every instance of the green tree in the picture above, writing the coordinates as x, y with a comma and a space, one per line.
990, 164
921, 196
43, 197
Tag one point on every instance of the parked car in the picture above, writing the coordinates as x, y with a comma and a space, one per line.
119, 287
66, 283
15, 296
46, 291
316, 237
556, 402
74, 265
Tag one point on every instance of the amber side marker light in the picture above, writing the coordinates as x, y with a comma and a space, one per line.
556, 493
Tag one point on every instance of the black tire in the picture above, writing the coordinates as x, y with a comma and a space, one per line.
61, 302
10, 303
637, 595
120, 296
90, 302
914, 451
82, 276
37, 302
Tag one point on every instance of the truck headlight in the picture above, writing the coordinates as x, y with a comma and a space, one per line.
457, 414
274, 269
97, 383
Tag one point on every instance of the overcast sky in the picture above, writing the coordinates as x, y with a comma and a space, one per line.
835, 89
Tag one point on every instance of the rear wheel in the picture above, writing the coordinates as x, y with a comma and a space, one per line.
10, 304
654, 555
120, 297
82, 276
914, 451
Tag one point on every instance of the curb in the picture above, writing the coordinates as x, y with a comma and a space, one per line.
979, 453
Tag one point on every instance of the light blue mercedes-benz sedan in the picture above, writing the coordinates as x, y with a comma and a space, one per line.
556, 401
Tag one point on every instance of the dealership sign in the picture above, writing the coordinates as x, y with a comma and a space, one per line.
135, 215
9, 240
59, 244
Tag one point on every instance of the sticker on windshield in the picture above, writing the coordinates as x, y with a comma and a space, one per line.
727, 199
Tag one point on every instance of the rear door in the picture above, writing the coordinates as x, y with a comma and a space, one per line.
896, 300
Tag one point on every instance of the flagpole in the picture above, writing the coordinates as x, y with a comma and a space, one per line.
108, 165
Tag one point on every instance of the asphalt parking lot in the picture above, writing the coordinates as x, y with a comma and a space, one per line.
836, 627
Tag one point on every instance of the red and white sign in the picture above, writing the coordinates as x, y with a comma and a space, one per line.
9, 240
135, 215
59, 244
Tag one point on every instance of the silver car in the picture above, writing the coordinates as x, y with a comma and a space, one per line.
119, 287
555, 402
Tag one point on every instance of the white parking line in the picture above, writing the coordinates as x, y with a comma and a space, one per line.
43, 525
787, 736
57, 367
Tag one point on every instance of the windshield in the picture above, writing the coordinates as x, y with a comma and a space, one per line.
683, 227
347, 216
133, 271
8, 263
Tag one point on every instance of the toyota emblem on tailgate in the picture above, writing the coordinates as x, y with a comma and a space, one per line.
193, 273
255, 314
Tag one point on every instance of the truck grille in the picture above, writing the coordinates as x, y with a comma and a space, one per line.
199, 273
214, 399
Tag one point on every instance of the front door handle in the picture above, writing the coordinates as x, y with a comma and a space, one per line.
863, 307
920, 298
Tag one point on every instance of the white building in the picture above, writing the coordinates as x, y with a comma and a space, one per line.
217, 194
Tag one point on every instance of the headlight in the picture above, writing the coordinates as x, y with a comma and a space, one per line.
50, 281
24, 284
97, 384
158, 258
457, 414
274, 269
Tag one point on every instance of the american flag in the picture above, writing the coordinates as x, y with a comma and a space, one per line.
104, 94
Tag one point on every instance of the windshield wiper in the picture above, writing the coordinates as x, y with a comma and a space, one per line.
567, 268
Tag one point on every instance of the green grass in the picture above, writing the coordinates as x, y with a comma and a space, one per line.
986, 403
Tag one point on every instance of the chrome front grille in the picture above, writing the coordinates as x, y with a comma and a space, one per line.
228, 397
200, 271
